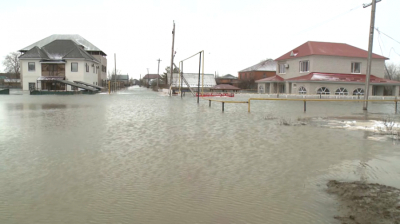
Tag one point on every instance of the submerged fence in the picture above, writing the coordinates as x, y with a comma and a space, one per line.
395, 101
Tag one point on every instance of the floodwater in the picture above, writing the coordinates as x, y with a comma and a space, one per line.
141, 157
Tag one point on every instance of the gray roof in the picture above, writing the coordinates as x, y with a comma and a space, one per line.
228, 76
267, 65
35, 52
58, 50
74, 37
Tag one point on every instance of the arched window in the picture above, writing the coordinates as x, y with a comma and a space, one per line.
341, 91
358, 91
261, 89
323, 91
302, 90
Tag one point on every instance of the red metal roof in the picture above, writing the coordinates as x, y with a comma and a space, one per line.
327, 48
335, 77
275, 78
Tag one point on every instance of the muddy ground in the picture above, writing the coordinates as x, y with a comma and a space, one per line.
364, 203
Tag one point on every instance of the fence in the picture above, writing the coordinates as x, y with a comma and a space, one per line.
395, 100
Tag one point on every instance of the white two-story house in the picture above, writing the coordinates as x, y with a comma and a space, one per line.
327, 68
62, 57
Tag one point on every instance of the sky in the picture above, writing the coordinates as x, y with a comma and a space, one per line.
233, 34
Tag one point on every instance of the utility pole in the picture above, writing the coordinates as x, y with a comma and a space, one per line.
115, 70
158, 71
371, 40
140, 81
172, 55
148, 78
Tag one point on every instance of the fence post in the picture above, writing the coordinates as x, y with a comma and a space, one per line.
209, 103
248, 106
305, 106
223, 104
395, 109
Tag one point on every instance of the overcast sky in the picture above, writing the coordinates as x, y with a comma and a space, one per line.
234, 34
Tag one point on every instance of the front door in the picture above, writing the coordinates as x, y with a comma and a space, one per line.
32, 86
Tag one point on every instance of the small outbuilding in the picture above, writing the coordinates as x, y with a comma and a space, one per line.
224, 88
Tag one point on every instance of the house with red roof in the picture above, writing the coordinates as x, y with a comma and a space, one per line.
327, 68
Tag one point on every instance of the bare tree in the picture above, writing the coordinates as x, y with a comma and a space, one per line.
392, 71
111, 74
11, 63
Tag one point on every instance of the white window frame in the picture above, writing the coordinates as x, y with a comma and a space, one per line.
77, 67
34, 67
353, 68
282, 68
302, 90
358, 91
301, 66
341, 91
324, 91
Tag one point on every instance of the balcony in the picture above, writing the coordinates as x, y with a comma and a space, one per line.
53, 70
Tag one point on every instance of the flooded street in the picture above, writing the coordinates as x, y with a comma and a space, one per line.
141, 157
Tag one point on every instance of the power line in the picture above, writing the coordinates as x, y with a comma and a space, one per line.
329, 20
386, 35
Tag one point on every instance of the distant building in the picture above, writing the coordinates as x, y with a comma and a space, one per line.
227, 79
9, 80
123, 79
327, 68
148, 78
261, 70
61, 57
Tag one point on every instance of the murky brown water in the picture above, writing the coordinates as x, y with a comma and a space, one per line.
138, 157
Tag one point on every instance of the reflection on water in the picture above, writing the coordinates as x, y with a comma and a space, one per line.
139, 157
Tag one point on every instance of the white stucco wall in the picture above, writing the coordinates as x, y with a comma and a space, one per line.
74, 76
81, 75
293, 70
103, 61
29, 76
336, 64
330, 64
313, 87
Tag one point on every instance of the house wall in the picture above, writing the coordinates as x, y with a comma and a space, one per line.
334, 64
103, 61
294, 67
74, 76
256, 75
81, 75
330, 64
29, 76
90, 77
313, 87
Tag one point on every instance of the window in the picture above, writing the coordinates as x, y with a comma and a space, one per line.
74, 67
302, 90
31, 66
87, 67
265, 75
304, 66
356, 67
341, 91
282, 69
261, 89
358, 91
323, 91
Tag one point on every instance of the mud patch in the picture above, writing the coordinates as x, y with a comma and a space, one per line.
364, 203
